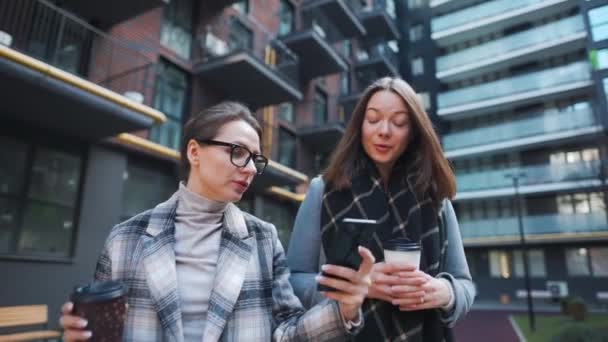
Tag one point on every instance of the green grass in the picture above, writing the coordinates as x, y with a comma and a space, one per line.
549, 326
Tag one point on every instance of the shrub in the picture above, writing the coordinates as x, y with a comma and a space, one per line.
579, 334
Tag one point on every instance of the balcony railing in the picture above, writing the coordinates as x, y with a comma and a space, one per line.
481, 11
535, 175
539, 80
234, 47
545, 123
387, 6
377, 61
542, 35
535, 225
41, 30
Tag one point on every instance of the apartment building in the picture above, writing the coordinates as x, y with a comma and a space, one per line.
518, 90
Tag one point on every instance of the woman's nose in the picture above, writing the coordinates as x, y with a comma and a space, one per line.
250, 167
384, 129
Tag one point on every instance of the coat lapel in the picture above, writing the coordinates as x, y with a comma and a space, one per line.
160, 269
236, 248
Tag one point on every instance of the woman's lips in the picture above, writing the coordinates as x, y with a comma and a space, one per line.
241, 186
382, 148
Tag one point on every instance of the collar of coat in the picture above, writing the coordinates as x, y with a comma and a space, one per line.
236, 247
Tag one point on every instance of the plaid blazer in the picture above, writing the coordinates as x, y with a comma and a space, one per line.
251, 299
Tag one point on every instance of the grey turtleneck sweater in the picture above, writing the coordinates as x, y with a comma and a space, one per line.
198, 227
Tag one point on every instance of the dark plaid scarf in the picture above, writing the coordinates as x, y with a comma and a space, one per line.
401, 214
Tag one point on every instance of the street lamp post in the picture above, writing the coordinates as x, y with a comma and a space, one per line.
522, 241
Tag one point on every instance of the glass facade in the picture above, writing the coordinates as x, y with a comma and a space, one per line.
287, 148
176, 27
598, 20
145, 186
39, 189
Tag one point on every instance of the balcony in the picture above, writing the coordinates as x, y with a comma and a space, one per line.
341, 13
492, 16
317, 56
110, 12
66, 76
540, 228
540, 130
539, 179
324, 125
240, 58
571, 79
557, 38
379, 20
376, 62
446, 6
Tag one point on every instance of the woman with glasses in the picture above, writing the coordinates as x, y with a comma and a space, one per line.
389, 167
199, 269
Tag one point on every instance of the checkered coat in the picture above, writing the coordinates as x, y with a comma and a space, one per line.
251, 299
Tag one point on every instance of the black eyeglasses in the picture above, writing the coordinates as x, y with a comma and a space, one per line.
240, 155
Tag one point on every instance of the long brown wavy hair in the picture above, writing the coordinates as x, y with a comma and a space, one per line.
423, 154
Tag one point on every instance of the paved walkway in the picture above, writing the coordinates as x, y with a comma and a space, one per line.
484, 326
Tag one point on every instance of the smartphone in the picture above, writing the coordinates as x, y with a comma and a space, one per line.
341, 244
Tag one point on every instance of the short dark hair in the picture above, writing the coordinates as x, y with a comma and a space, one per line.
206, 124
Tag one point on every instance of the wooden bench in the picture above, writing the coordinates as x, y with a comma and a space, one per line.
18, 316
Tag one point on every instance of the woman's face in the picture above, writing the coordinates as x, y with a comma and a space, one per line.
219, 179
386, 128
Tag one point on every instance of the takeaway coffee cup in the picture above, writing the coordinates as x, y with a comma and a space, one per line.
402, 251
103, 305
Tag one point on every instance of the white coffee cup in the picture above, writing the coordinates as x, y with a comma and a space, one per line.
402, 252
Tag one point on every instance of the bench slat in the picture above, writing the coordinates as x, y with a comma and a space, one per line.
11, 316
30, 336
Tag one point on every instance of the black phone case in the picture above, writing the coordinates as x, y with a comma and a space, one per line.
341, 245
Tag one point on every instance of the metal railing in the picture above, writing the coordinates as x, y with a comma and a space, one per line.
48, 33
535, 175
535, 225
319, 115
381, 51
387, 6
234, 32
478, 12
545, 123
541, 35
539, 80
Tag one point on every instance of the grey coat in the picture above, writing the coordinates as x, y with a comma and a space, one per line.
304, 255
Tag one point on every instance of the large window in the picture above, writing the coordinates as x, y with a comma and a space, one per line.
287, 147
286, 15
282, 215
598, 20
286, 112
39, 189
580, 203
145, 186
170, 98
176, 27
599, 59
587, 261
320, 107
506, 264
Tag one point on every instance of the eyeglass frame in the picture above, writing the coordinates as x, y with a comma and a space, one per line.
232, 148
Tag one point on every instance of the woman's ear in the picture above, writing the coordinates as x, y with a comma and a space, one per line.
193, 152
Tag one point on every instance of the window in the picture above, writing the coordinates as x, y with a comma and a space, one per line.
321, 162
320, 107
416, 33
499, 264
605, 82
599, 59
286, 14
176, 27
344, 83
536, 263
580, 203
390, 8
170, 98
287, 148
282, 215
242, 6
599, 261
286, 112
39, 189
598, 20
414, 4
144, 187
577, 262
587, 261
240, 37
417, 66
425, 98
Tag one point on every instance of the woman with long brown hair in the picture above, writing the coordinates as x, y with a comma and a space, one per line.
389, 167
